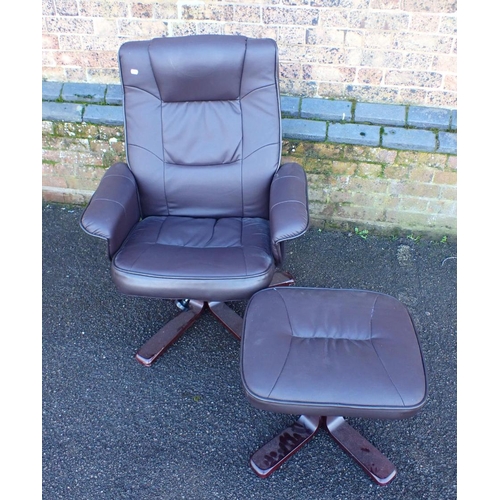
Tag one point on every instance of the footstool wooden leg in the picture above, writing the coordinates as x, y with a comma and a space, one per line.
375, 464
273, 454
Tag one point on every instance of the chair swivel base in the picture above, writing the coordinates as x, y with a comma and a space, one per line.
171, 331
277, 451
191, 311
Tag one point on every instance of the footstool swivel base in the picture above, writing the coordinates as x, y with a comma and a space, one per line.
327, 354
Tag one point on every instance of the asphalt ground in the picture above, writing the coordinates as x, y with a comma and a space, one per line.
182, 428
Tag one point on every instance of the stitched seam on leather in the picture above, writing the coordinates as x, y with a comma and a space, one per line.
241, 164
129, 270
376, 352
258, 149
278, 103
200, 164
294, 234
256, 89
289, 345
160, 228
266, 145
142, 90
287, 312
163, 276
147, 150
111, 201
279, 177
148, 247
243, 67
213, 233
288, 201
282, 368
243, 248
161, 123
164, 162
242, 136
120, 175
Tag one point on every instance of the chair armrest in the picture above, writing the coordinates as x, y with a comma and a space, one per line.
114, 208
288, 205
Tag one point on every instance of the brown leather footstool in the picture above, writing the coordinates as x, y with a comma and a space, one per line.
326, 354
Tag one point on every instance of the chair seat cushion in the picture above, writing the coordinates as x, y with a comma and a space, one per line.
331, 352
197, 258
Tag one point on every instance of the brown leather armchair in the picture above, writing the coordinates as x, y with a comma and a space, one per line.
200, 211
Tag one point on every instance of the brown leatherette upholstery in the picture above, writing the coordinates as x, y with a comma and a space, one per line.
325, 352
201, 208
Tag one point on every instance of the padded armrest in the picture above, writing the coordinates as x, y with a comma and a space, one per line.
114, 208
289, 206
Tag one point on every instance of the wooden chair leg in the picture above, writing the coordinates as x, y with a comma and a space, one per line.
231, 320
167, 335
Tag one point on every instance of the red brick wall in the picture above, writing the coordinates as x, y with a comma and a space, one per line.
369, 50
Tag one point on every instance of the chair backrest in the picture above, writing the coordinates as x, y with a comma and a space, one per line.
202, 123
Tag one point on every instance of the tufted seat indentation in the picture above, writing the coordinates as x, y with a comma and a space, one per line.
331, 352
162, 255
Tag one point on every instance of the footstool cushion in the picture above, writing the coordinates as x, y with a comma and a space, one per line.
318, 351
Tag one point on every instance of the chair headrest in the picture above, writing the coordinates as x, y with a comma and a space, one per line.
198, 68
